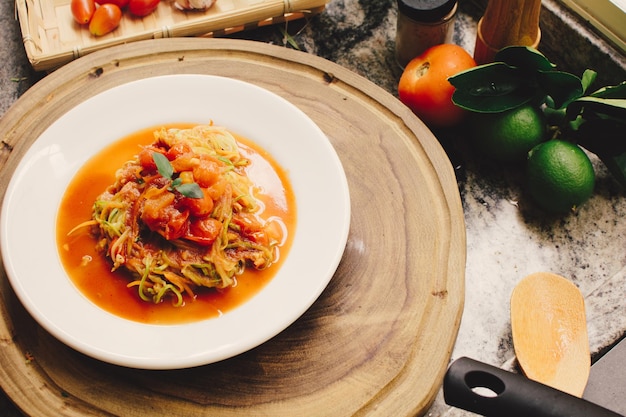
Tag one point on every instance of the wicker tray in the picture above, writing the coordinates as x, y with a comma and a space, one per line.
52, 38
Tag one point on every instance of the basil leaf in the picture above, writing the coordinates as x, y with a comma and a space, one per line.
163, 165
191, 190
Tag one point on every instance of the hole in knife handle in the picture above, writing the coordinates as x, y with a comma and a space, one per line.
484, 384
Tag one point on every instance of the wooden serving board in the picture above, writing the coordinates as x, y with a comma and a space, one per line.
378, 340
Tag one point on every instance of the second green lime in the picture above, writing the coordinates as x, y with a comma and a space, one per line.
509, 135
560, 176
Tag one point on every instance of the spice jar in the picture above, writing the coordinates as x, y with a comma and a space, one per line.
422, 24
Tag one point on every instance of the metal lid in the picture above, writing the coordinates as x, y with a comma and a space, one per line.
426, 10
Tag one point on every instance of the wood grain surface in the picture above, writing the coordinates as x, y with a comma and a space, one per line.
378, 340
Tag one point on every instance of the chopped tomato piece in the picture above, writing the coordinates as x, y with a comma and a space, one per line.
177, 150
145, 157
161, 216
185, 162
204, 231
218, 189
199, 207
207, 172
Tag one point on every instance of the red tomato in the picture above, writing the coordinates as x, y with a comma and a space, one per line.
105, 19
177, 224
83, 10
160, 215
207, 172
177, 150
199, 207
119, 3
145, 157
204, 232
424, 85
142, 7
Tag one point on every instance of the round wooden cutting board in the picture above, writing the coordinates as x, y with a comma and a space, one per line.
378, 340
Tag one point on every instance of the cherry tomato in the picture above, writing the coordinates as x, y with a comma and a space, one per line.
160, 215
207, 172
204, 231
424, 85
142, 7
199, 207
177, 224
119, 3
145, 157
105, 19
83, 10
177, 150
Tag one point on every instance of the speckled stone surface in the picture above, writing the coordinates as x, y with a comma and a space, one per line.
507, 237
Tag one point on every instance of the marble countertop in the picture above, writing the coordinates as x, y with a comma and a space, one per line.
507, 237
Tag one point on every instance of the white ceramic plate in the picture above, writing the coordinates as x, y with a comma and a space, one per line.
30, 208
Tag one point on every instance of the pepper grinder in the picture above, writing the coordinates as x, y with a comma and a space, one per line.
507, 23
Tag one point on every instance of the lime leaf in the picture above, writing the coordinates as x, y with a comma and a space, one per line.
605, 138
607, 102
526, 58
491, 88
191, 190
601, 107
615, 91
589, 76
163, 165
602, 136
562, 87
483, 78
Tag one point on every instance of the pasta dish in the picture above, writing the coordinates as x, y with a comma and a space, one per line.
182, 215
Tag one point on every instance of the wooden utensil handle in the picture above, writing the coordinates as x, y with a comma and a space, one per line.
513, 394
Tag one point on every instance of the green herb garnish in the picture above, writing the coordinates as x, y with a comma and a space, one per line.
165, 168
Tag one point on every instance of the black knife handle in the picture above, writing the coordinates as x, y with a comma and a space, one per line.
514, 395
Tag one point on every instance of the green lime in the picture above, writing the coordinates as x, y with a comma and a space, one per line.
509, 135
560, 175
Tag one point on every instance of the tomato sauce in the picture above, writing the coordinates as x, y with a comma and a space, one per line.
90, 270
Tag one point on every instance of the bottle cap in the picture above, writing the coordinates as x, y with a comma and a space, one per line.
426, 10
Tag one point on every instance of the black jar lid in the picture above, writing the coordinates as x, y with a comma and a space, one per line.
426, 10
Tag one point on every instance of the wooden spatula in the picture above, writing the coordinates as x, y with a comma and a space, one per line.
550, 332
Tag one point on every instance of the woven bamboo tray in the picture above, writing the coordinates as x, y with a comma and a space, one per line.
52, 38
